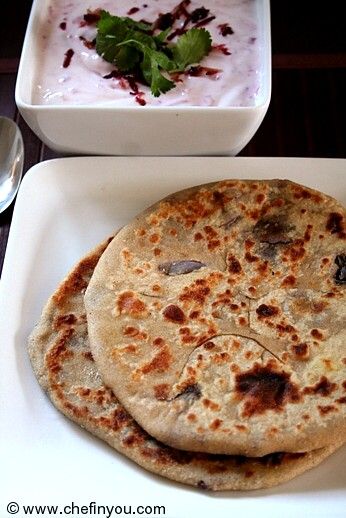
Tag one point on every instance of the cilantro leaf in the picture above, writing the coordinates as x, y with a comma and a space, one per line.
151, 72
160, 38
191, 48
111, 31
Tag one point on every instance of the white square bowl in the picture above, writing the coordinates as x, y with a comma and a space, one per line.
142, 130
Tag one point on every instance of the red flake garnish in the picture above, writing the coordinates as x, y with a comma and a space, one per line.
92, 17
222, 48
133, 10
199, 71
87, 43
204, 22
140, 100
68, 56
225, 29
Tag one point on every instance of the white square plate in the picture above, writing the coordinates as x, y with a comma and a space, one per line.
64, 208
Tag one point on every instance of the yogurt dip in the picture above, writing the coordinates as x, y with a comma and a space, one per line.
72, 73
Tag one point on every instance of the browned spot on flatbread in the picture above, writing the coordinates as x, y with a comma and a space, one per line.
88, 356
264, 388
117, 420
59, 352
161, 391
295, 252
129, 304
211, 405
64, 320
251, 258
323, 388
240, 427
316, 334
234, 265
195, 293
301, 351
78, 280
209, 345
288, 281
134, 332
160, 363
215, 425
326, 409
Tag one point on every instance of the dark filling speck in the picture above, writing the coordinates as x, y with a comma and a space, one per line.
180, 267
340, 276
190, 391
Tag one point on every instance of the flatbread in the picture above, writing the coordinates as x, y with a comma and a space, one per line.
62, 361
218, 317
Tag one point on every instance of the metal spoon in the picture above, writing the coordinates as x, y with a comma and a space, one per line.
11, 161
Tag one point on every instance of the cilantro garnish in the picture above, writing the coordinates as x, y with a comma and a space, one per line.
132, 47
191, 48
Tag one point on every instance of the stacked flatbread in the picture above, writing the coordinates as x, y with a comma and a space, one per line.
210, 344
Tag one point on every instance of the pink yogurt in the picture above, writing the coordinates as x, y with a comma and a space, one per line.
70, 73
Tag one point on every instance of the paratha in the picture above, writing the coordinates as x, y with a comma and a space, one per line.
218, 316
62, 361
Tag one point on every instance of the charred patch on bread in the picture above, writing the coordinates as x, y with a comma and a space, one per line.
234, 265
174, 314
264, 388
323, 388
301, 351
335, 223
277, 458
180, 267
273, 230
265, 311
